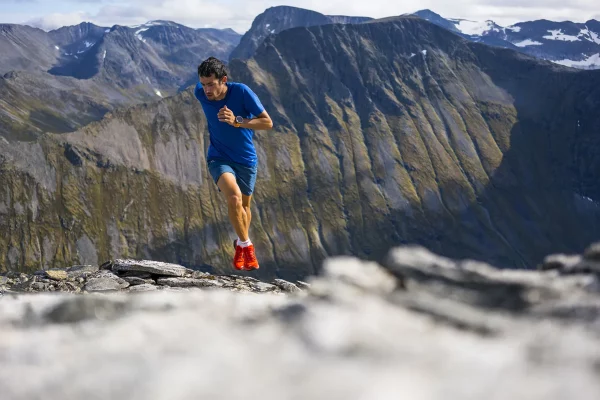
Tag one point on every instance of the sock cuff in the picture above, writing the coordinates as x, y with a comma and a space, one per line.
244, 244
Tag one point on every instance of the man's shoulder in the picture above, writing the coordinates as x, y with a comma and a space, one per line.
239, 86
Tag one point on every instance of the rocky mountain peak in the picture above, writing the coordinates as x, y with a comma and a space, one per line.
276, 19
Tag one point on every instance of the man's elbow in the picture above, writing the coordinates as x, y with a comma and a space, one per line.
267, 123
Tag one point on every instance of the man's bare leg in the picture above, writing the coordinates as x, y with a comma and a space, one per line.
237, 213
246, 205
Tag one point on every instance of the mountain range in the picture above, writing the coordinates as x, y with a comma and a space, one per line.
60, 80
428, 138
568, 43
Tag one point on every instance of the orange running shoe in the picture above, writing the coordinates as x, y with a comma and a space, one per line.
238, 259
250, 258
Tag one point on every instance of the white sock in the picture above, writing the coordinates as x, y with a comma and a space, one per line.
244, 244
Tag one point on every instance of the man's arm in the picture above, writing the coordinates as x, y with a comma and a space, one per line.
262, 122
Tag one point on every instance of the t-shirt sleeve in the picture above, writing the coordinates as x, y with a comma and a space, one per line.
252, 102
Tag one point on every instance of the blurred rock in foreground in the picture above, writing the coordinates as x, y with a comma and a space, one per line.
420, 327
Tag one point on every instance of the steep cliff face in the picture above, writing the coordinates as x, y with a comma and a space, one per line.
388, 132
36, 102
77, 39
462, 147
26, 48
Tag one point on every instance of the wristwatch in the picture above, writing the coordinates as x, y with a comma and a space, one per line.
238, 121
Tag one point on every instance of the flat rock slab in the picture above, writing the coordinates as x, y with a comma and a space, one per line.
153, 267
57, 275
188, 282
262, 287
286, 286
105, 282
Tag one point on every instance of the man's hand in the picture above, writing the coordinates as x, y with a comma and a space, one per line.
226, 115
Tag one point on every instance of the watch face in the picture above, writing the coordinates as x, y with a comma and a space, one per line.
239, 119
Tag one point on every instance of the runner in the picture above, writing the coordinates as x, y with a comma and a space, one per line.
233, 112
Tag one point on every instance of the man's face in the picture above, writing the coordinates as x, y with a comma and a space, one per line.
213, 87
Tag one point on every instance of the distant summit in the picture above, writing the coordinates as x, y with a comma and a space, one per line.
567, 43
276, 19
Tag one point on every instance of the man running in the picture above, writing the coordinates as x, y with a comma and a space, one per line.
233, 112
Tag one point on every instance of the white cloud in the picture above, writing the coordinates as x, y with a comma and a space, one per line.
57, 20
238, 14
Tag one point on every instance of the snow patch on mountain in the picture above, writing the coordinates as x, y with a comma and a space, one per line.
590, 35
591, 62
474, 27
527, 42
559, 35
144, 27
139, 32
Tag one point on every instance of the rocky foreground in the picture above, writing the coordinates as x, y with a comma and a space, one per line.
419, 327
134, 276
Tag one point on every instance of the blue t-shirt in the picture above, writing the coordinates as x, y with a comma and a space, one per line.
228, 142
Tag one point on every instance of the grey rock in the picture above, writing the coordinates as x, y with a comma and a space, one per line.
40, 286
78, 271
585, 266
23, 285
79, 308
178, 282
262, 287
452, 324
199, 274
4, 280
146, 287
153, 267
105, 281
363, 276
134, 280
188, 282
209, 283
286, 286
303, 285
562, 262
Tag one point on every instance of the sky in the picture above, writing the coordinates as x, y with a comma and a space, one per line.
239, 14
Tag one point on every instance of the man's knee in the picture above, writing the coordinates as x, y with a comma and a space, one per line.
234, 200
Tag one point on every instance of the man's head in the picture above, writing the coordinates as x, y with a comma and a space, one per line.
213, 77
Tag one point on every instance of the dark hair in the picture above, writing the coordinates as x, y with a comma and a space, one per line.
212, 66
